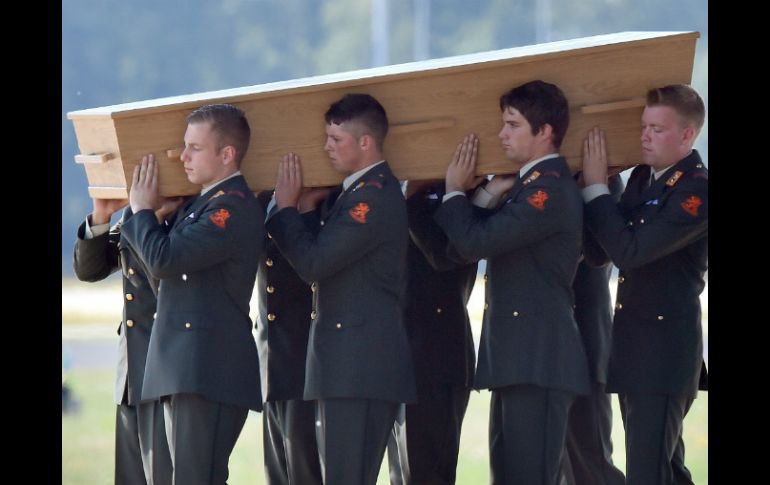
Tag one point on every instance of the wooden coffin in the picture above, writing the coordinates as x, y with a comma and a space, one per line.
431, 105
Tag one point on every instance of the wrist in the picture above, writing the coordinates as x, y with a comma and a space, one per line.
99, 217
450, 187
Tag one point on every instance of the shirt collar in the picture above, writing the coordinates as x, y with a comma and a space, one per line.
206, 188
526, 168
356, 175
659, 173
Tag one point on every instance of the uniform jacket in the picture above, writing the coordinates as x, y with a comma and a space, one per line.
532, 243
283, 323
437, 294
207, 264
658, 237
94, 260
358, 346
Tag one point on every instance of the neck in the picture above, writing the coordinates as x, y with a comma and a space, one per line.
366, 162
228, 173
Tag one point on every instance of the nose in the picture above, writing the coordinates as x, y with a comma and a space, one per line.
184, 156
645, 134
500, 133
327, 145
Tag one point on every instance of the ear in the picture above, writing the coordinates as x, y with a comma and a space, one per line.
228, 154
366, 142
546, 132
688, 135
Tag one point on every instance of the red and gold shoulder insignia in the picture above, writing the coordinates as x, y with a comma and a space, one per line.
674, 178
532, 177
237, 193
537, 200
552, 173
691, 205
220, 192
374, 183
358, 213
219, 218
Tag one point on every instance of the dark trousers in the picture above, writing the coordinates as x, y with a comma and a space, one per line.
527, 425
427, 440
201, 435
141, 450
352, 435
291, 453
654, 446
587, 457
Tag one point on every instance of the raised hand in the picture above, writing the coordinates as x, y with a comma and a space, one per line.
144, 185
461, 173
288, 185
310, 197
500, 184
168, 205
595, 157
104, 208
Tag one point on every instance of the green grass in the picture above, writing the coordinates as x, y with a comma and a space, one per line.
88, 439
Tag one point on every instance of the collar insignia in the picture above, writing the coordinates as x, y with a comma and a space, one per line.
532, 177
674, 178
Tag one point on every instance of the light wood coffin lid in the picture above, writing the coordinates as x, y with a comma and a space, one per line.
431, 105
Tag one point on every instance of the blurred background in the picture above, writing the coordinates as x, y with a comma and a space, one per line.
117, 51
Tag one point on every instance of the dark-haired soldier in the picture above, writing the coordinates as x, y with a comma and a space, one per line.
531, 356
359, 365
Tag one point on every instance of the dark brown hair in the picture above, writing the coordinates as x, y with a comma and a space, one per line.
540, 103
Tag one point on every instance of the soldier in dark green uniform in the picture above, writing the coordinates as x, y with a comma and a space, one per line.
283, 326
658, 237
588, 447
531, 356
141, 449
436, 318
202, 360
359, 366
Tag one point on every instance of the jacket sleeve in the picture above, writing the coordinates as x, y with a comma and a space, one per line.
534, 215
96, 258
682, 220
347, 236
191, 246
593, 253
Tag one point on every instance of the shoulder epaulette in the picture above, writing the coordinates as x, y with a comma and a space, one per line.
532, 177
674, 178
